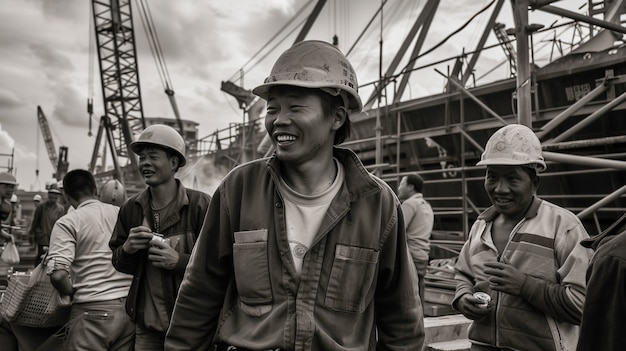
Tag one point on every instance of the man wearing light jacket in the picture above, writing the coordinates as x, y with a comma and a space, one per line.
524, 253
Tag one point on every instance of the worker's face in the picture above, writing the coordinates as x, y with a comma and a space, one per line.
155, 166
6, 190
54, 197
511, 189
404, 189
298, 126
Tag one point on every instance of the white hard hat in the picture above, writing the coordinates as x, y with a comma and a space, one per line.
164, 136
513, 145
37, 197
315, 64
112, 192
7, 178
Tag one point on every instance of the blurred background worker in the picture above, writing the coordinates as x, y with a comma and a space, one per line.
8, 183
165, 208
37, 200
112, 192
418, 221
524, 252
46, 214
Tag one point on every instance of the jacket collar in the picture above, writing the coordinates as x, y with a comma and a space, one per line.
143, 199
359, 181
87, 202
490, 214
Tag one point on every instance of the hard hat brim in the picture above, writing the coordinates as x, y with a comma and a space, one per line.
262, 91
135, 146
540, 166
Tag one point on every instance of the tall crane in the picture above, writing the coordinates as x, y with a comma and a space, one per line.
119, 78
59, 163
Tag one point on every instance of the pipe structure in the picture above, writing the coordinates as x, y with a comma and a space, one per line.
606, 200
584, 160
584, 143
589, 119
523, 79
474, 98
579, 17
548, 127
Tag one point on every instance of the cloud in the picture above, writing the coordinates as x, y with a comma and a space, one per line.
6, 141
8, 99
51, 60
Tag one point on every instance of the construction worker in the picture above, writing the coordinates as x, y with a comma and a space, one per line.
304, 250
37, 199
8, 184
46, 214
604, 313
155, 233
79, 265
523, 253
418, 220
112, 192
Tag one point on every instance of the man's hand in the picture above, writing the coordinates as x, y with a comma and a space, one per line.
138, 239
468, 305
504, 277
7, 236
162, 255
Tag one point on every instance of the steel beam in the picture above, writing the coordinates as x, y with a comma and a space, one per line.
589, 119
474, 98
548, 127
605, 201
584, 160
579, 17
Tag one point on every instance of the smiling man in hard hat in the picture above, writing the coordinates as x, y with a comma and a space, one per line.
155, 233
304, 250
523, 252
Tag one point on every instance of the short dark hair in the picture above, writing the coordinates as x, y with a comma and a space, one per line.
416, 181
79, 183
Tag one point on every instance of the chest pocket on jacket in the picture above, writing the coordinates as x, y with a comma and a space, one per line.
351, 278
252, 274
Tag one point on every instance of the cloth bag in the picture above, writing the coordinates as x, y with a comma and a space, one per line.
10, 254
31, 300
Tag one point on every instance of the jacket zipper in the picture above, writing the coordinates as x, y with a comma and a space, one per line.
501, 259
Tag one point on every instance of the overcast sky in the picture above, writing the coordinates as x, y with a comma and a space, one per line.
45, 61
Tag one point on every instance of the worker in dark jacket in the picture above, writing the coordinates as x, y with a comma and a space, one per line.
305, 250
46, 214
604, 312
155, 233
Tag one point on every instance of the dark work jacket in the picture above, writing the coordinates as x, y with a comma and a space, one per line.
357, 289
604, 313
191, 206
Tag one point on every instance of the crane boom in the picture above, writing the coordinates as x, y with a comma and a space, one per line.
119, 74
47, 137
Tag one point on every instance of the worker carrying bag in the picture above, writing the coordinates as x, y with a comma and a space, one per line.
31, 300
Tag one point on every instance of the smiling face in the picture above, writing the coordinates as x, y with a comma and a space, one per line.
511, 189
156, 165
300, 129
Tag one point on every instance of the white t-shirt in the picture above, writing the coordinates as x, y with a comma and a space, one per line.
304, 215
